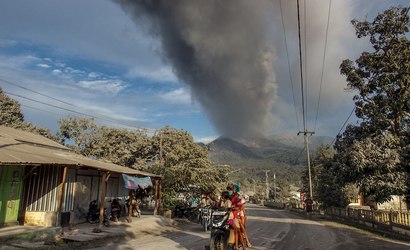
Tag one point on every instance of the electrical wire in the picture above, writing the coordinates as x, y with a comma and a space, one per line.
287, 55
305, 58
99, 117
25, 88
72, 111
301, 68
344, 124
323, 64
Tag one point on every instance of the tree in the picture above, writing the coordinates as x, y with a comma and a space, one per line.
12, 116
10, 111
182, 163
130, 148
328, 189
169, 152
372, 154
78, 134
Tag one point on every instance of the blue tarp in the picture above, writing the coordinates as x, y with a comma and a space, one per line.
132, 182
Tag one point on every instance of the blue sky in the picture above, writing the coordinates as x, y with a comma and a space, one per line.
93, 56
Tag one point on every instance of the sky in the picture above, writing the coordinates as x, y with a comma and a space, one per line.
209, 67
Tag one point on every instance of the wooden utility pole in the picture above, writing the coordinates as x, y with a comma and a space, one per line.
274, 186
306, 140
267, 183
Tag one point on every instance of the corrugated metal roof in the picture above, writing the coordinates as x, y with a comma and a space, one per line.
19, 147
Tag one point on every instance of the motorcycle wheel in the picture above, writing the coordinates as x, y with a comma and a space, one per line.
90, 219
218, 242
206, 224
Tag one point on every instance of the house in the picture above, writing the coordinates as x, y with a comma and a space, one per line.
45, 183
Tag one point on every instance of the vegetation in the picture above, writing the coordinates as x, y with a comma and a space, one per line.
169, 152
12, 116
374, 154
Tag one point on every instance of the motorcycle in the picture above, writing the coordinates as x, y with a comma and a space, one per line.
115, 210
93, 215
220, 230
135, 210
206, 215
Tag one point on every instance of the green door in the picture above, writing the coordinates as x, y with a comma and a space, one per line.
10, 190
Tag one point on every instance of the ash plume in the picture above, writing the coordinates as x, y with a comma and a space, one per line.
221, 50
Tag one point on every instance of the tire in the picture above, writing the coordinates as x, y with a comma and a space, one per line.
217, 242
90, 219
205, 224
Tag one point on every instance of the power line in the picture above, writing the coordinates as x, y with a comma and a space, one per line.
43, 110
99, 117
323, 63
287, 55
344, 124
305, 58
301, 69
73, 111
25, 88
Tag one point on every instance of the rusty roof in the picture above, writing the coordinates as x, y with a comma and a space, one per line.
19, 147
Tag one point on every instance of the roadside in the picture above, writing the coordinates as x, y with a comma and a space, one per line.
82, 235
364, 233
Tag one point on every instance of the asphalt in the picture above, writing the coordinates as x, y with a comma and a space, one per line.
82, 235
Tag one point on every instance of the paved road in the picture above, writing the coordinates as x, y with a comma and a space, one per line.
267, 229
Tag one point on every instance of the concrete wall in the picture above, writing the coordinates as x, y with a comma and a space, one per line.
47, 219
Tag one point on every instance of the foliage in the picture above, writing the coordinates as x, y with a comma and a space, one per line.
327, 187
12, 116
182, 162
169, 152
372, 154
121, 146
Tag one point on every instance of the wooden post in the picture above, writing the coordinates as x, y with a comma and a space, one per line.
157, 198
61, 196
130, 199
102, 198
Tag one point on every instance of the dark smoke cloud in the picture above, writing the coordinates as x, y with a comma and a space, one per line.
221, 50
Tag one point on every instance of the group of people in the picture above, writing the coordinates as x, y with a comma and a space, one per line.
232, 200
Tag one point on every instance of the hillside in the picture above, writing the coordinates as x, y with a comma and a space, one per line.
283, 155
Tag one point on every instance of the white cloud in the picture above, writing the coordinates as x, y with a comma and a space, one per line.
43, 65
105, 86
177, 96
93, 75
162, 74
56, 72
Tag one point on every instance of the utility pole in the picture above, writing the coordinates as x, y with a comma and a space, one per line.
274, 186
267, 184
306, 139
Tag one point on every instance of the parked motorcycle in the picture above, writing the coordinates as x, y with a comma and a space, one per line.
206, 213
93, 215
115, 210
135, 210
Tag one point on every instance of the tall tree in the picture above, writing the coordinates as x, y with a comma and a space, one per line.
372, 154
130, 148
183, 162
78, 134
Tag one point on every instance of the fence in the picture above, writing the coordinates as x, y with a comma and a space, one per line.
390, 221
381, 221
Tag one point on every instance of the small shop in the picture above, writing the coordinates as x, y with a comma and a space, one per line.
44, 183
